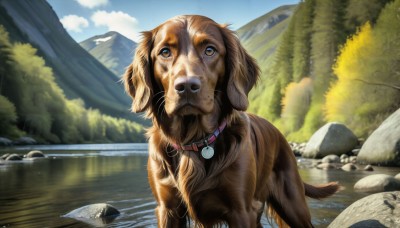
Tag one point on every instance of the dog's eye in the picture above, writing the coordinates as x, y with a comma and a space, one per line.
165, 52
210, 51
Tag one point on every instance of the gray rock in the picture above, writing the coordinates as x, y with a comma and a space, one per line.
331, 159
35, 154
13, 157
98, 210
397, 176
368, 168
97, 215
383, 145
349, 167
353, 159
5, 142
345, 161
332, 138
297, 148
378, 210
344, 156
4, 156
377, 183
355, 151
25, 141
325, 166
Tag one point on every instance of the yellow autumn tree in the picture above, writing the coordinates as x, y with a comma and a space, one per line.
296, 103
367, 86
341, 97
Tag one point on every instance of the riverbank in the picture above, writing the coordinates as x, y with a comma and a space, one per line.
38, 192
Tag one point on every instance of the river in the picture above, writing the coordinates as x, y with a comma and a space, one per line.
37, 193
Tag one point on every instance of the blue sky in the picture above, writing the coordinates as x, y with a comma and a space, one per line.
86, 18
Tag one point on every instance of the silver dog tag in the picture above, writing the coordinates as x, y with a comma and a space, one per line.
207, 152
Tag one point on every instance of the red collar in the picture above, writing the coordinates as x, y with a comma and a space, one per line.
196, 146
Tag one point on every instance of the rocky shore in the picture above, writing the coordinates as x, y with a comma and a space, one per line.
17, 157
333, 147
336, 147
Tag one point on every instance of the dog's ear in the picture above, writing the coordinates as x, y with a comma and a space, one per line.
242, 70
137, 78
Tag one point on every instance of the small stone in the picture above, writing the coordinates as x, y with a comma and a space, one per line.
355, 151
349, 167
377, 183
397, 176
4, 156
325, 166
96, 215
370, 168
98, 210
331, 159
35, 154
343, 156
14, 157
353, 159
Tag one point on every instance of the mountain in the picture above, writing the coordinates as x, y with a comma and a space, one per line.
77, 72
261, 38
112, 49
264, 23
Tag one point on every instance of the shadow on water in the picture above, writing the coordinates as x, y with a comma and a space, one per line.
36, 193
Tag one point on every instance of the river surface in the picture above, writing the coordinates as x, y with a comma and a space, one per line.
37, 193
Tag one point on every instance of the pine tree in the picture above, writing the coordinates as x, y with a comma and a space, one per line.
360, 11
302, 39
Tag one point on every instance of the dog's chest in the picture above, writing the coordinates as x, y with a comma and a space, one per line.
204, 194
210, 206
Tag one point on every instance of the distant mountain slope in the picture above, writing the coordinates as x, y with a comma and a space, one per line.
261, 37
112, 49
77, 72
264, 23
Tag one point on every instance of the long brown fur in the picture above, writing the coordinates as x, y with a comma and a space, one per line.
190, 74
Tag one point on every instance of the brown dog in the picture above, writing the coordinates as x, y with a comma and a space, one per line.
209, 160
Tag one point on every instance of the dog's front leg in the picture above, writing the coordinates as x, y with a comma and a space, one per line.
170, 217
170, 211
242, 219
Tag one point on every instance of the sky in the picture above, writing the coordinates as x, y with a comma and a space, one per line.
86, 18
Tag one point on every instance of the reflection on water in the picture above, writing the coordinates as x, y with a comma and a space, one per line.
37, 193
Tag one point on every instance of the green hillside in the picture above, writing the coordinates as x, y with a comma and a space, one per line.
76, 71
51, 88
307, 84
33, 104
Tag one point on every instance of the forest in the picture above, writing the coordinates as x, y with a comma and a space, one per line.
33, 104
337, 61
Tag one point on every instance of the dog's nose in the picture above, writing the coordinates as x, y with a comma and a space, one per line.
187, 84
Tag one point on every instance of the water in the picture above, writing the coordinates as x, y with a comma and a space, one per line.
36, 193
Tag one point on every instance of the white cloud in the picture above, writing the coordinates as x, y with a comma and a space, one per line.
92, 3
74, 23
117, 21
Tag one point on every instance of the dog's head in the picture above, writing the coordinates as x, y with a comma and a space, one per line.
185, 63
